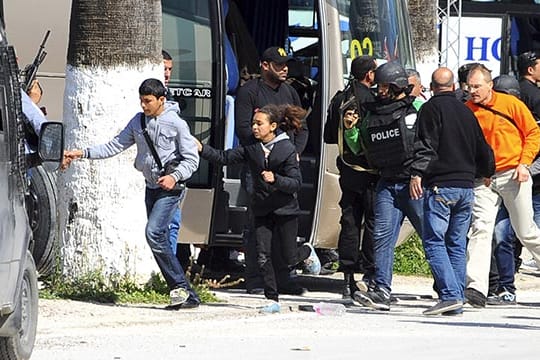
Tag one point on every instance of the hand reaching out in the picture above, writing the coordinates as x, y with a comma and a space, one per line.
69, 156
199, 144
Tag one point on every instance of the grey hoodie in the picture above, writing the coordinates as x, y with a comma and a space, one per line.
172, 140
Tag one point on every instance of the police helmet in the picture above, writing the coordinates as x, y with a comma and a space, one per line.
507, 84
392, 73
464, 70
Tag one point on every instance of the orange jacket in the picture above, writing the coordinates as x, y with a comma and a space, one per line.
512, 145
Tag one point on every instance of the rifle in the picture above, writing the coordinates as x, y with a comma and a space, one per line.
30, 71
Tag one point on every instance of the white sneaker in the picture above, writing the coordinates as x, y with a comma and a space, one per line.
178, 296
531, 264
272, 308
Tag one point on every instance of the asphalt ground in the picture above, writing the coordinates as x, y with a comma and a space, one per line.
234, 329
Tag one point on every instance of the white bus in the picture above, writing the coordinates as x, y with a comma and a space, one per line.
214, 42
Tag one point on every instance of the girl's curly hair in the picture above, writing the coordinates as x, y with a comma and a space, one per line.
288, 117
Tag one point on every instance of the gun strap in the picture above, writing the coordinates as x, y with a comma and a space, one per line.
149, 141
497, 112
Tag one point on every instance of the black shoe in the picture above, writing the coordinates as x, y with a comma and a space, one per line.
378, 299
255, 291
443, 307
293, 290
349, 286
346, 292
475, 298
503, 297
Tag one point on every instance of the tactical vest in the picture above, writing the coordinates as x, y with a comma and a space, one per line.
388, 134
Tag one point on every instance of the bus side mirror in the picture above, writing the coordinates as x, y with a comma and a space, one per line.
51, 143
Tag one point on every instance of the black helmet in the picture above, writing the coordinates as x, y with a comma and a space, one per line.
507, 84
392, 73
463, 71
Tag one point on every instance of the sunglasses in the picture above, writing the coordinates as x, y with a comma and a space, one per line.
531, 57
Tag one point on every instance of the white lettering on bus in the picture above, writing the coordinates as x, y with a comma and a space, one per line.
191, 92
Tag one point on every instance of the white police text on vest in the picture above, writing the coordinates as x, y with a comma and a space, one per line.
384, 135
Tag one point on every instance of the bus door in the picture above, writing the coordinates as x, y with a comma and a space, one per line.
191, 35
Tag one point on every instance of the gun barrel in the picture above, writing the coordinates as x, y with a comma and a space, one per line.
30, 71
45, 39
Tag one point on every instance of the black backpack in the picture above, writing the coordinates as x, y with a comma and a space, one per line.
331, 127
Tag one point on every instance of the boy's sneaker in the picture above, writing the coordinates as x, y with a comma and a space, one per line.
178, 296
378, 299
271, 308
190, 304
475, 298
503, 297
312, 264
444, 306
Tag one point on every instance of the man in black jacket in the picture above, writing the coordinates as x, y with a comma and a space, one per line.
356, 179
529, 71
458, 153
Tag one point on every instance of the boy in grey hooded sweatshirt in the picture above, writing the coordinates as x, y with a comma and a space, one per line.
172, 140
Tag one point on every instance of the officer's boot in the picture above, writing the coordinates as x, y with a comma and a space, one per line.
347, 291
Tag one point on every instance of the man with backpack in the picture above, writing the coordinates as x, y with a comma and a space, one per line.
357, 181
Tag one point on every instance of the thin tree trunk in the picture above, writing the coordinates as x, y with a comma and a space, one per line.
113, 46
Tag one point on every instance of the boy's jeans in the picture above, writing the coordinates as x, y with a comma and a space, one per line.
160, 208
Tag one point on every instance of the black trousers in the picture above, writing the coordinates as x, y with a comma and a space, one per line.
277, 250
357, 200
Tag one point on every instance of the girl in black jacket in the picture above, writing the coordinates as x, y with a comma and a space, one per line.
274, 201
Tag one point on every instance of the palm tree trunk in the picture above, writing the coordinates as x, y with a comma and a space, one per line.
423, 16
113, 46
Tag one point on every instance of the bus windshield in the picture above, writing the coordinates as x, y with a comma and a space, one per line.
377, 28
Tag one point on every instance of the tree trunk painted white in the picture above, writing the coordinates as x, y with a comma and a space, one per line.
103, 213
101, 202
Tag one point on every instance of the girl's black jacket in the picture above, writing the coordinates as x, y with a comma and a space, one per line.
279, 197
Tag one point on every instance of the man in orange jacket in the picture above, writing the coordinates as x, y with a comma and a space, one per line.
512, 132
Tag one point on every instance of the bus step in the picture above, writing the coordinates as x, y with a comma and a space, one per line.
229, 239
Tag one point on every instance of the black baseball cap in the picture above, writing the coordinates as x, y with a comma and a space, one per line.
527, 59
276, 55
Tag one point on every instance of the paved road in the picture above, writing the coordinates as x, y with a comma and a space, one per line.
233, 329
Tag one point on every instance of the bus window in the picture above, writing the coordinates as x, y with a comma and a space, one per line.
187, 36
